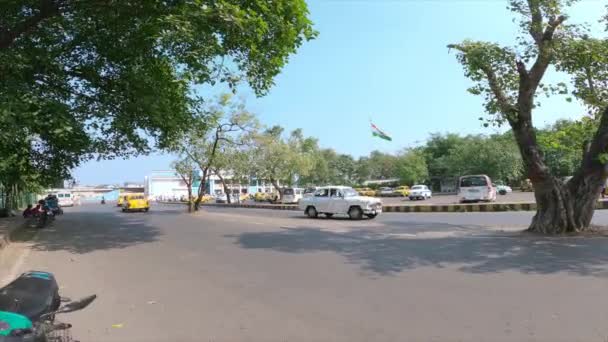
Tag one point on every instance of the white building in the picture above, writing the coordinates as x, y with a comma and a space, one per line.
168, 185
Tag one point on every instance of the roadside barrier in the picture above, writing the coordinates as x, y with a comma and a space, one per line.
424, 208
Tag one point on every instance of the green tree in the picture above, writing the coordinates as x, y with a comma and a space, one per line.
493, 156
225, 125
412, 167
561, 144
282, 160
113, 78
436, 149
510, 78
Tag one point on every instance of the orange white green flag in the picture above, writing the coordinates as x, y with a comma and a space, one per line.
379, 133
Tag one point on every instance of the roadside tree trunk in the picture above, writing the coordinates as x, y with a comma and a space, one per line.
225, 186
190, 199
275, 184
201, 190
564, 208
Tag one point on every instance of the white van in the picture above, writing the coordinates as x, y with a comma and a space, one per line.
65, 198
292, 195
475, 188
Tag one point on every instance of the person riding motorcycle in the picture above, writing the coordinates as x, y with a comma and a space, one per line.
29, 211
53, 203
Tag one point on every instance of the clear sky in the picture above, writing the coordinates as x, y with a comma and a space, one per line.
381, 60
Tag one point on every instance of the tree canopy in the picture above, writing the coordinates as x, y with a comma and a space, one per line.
116, 78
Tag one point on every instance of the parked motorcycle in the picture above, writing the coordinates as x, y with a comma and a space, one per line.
28, 306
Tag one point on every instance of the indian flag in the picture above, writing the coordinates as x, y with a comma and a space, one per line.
378, 133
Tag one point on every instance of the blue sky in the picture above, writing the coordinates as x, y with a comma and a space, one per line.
384, 60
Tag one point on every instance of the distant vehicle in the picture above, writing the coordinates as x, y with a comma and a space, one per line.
384, 192
331, 200
366, 192
136, 203
65, 199
526, 185
292, 195
502, 189
221, 198
476, 188
309, 192
421, 192
402, 191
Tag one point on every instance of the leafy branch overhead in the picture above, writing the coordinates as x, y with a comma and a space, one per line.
117, 78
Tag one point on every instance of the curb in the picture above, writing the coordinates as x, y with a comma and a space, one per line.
430, 208
7, 238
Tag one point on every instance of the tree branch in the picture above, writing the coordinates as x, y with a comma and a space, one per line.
503, 101
536, 25
48, 9
599, 145
545, 55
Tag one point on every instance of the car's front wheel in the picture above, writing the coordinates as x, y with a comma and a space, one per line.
311, 212
355, 213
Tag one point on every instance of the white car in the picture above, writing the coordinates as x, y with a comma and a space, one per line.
385, 192
506, 188
221, 198
331, 200
420, 192
475, 188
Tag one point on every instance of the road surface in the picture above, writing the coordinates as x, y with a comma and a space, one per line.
259, 275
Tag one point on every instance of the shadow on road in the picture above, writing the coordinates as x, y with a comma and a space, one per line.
383, 254
84, 232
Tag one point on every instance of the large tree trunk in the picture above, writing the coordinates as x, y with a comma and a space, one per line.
225, 186
190, 204
275, 183
201, 190
563, 208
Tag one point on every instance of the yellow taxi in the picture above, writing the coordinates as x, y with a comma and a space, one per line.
260, 197
121, 200
366, 192
136, 203
205, 198
402, 191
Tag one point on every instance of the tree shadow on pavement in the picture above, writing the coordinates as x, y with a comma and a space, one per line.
386, 254
83, 232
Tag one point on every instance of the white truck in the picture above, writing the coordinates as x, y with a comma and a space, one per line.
341, 200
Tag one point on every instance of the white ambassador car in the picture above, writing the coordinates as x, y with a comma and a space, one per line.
420, 192
330, 200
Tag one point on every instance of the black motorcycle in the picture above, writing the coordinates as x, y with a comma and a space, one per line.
28, 306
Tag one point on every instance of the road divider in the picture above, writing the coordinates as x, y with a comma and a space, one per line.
419, 208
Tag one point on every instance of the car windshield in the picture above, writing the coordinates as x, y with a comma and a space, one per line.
473, 181
288, 192
417, 187
137, 197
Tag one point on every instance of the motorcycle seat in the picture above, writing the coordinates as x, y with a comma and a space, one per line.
32, 294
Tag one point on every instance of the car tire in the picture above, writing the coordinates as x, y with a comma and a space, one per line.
328, 215
371, 216
411, 198
355, 213
146, 210
311, 212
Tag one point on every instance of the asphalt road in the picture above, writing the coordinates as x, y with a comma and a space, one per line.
259, 275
